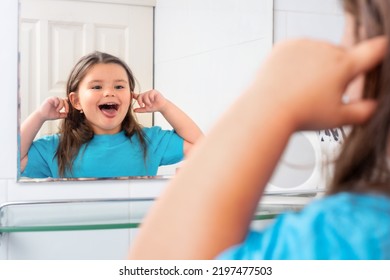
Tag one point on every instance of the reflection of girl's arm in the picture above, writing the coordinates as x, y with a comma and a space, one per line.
209, 204
182, 124
49, 110
154, 101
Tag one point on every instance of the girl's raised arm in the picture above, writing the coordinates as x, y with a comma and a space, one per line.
184, 126
51, 109
209, 204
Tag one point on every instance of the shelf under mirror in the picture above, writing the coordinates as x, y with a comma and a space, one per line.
120, 213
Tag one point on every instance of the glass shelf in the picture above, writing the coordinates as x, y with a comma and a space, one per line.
120, 213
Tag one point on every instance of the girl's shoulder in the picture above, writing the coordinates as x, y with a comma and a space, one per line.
353, 226
351, 201
46, 140
155, 131
152, 129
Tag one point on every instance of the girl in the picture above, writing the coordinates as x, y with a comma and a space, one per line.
299, 87
99, 136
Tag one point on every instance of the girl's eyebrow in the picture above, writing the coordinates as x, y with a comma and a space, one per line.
121, 80
101, 81
95, 81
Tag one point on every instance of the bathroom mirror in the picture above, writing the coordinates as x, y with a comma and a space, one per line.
199, 54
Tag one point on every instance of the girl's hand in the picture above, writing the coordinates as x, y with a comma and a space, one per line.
306, 80
54, 108
150, 101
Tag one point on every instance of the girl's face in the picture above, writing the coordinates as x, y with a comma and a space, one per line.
104, 96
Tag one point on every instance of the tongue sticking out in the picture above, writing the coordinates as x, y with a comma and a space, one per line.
109, 110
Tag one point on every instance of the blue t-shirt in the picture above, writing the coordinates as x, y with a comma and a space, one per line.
342, 226
108, 155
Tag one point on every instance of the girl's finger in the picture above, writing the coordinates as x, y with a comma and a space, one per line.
63, 115
53, 101
153, 96
66, 105
59, 104
357, 112
140, 100
140, 110
367, 54
147, 100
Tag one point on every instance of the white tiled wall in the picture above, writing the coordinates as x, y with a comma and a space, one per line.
207, 52
8, 78
309, 6
320, 19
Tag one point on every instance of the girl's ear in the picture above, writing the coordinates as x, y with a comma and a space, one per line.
74, 100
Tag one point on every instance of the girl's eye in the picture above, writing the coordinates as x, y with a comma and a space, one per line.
96, 87
119, 87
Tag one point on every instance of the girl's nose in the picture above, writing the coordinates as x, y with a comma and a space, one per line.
109, 92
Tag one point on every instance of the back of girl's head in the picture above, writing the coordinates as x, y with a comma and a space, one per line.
75, 130
362, 165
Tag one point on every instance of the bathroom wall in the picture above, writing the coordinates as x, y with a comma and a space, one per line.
320, 19
206, 52
8, 77
204, 64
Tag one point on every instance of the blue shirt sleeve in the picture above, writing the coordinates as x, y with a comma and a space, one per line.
41, 158
343, 226
290, 236
263, 245
166, 144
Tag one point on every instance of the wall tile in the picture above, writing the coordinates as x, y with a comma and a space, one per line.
3, 191
212, 80
95, 244
85, 189
202, 26
69, 245
310, 6
67, 190
4, 247
8, 74
3, 237
280, 25
312, 25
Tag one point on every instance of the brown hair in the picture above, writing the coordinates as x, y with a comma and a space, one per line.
75, 130
362, 165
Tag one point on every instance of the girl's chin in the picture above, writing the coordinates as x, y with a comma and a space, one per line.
107, 130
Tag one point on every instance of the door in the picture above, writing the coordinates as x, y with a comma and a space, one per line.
55, 34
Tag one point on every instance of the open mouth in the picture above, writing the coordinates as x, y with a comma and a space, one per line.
109, 110
109, 107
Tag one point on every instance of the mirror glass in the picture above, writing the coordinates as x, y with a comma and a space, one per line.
199, 54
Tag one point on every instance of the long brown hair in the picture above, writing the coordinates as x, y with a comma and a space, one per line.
75, 130
362, 165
